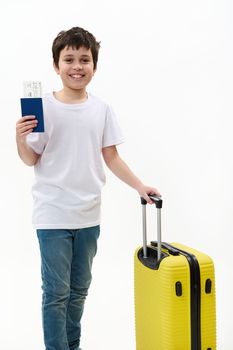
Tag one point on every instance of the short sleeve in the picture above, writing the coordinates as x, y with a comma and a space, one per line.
112, 131
37, 141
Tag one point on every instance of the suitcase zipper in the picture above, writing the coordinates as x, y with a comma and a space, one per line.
195, 293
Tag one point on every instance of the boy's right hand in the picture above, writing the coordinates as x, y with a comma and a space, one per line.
25, 126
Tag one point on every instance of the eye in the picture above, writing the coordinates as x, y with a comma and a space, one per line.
68, 60
85, 60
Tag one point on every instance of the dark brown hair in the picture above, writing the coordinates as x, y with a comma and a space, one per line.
75, 38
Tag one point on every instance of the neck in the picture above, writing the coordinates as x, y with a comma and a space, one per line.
71, 96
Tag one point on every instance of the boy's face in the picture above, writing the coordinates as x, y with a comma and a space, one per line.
75, 67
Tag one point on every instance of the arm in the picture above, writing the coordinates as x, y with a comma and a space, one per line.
23, 127
122, 171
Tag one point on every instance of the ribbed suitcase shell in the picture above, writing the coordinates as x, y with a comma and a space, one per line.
163, 319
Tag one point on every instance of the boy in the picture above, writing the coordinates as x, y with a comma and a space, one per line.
79, 129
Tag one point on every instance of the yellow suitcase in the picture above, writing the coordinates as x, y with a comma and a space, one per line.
174, 295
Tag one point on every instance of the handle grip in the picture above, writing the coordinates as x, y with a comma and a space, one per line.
156, 199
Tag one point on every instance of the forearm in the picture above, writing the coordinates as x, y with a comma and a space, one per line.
124, 173
28, 156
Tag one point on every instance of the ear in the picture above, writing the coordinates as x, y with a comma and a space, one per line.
56, 68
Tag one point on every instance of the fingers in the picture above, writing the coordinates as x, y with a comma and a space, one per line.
25, 125
147, 198
145, 194
156, 192
25, 119
149, 191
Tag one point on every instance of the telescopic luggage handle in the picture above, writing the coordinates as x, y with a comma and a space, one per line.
158, 203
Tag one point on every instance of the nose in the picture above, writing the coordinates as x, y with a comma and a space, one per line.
77, 66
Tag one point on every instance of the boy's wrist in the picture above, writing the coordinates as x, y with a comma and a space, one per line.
21, 140
139, 187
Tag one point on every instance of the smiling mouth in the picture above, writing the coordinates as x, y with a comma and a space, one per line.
76, 76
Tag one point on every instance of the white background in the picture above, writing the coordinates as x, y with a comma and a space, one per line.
166, 67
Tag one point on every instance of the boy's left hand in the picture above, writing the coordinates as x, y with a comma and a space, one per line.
144, 191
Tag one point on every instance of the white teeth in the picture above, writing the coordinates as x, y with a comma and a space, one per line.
76, 76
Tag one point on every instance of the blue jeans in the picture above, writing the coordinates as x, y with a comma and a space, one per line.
66, 261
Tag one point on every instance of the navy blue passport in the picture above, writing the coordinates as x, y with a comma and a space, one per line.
33, 106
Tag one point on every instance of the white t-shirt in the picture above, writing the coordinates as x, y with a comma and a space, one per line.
69, 175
